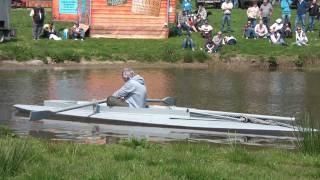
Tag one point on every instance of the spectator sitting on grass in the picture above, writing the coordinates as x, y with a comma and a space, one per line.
191, 24
182, 22
217, 41
206, 30
276, 38
277, 26
198, 22
50, 32
229, 40
202, 12
249, 31
253, 13
77, 32
188, 42
261, 30
286, 30
209, 46
301, 37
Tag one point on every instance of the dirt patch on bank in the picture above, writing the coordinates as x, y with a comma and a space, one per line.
229, 62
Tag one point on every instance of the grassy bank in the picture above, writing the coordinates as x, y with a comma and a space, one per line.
35, 159
169, 50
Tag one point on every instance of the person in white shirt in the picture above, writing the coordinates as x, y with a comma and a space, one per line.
261, 30
202, 12
206, 30
38, 15
253, 13
301, 37
226, 18
276, 38
278, 25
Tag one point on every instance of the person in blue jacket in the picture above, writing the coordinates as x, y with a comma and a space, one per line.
302, 8
285, 10
187, 6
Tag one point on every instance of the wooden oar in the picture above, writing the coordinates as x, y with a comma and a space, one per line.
169, 101
38, 115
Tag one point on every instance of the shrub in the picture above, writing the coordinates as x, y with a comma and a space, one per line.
170, 54
188, 56
308, 137
135, 142
201, 56
272, 61
300, 61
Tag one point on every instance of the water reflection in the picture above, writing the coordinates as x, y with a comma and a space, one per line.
284, 93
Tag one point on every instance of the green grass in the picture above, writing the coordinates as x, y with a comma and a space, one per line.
308, 137
138, 159
169, 50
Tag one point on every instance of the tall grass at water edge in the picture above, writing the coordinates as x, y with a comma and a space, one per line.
308, 136
28, 158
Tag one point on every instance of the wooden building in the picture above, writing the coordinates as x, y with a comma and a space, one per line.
33, 3
143, 19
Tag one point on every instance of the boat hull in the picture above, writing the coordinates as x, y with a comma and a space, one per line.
155, 116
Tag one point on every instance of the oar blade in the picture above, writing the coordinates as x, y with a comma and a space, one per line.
38, 115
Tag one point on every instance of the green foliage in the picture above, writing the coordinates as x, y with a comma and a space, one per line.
188, 56
238, 154
14, 154
201, 56
135, 142
6, 132
300, 61
34, 159
273, 62
308, 137
170, 54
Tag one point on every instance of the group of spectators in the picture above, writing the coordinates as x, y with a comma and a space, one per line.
281, 29
258, 23
41, 30
197, 21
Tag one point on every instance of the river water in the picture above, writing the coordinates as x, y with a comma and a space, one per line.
284, 93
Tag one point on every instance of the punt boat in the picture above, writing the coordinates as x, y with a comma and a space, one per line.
158, 116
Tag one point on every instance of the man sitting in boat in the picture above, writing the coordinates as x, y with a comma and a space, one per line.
132, 94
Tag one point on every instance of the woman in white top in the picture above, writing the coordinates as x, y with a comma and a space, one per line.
301, 37
276, 38
261, 30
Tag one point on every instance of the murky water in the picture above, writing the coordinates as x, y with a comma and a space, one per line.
285, 93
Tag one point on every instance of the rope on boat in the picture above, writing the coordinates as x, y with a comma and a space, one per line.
238, 118
266, 122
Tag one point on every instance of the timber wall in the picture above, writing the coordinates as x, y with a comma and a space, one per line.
120, 22
43, 3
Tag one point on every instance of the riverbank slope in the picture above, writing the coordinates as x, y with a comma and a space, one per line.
260, 51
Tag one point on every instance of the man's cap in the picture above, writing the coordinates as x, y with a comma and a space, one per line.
279, 20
